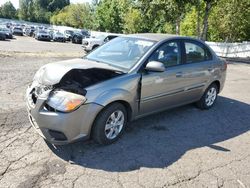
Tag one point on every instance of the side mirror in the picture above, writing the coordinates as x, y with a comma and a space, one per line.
155, 66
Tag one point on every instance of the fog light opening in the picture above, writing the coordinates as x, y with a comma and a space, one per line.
57, 135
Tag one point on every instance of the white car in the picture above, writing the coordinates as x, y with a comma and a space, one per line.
90, 44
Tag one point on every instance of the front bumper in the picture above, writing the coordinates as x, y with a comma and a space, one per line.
58, 127
44, 38
59, 39
87, 48
17, 33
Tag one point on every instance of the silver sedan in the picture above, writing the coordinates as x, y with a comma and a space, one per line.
125, 79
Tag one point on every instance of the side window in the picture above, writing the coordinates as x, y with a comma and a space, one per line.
106, 39
168, 54
196, 53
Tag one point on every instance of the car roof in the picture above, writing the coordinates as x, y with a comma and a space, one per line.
154, 36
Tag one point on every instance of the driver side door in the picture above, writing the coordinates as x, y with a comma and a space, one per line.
161, 90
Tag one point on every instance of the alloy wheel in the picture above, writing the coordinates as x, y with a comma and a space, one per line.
114, 124
211, 96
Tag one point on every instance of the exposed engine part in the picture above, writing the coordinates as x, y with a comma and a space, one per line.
76, 80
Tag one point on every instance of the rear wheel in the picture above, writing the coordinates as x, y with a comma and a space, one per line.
109, 124
209, 97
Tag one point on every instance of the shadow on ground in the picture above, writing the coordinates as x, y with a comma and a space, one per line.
159, 140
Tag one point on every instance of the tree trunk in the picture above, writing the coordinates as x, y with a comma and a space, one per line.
178, 26
205, 20
198, 9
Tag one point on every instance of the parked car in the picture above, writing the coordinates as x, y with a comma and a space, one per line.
90, 44
2, 35
9, 25
17, 31
125, 79
59, 37
7, 31
43, 35
78, 36
29, 31
68, 34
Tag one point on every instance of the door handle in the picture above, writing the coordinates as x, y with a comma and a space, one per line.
179, 74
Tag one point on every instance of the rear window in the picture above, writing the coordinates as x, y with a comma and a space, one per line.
197, 52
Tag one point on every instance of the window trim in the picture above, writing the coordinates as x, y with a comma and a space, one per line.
201, 45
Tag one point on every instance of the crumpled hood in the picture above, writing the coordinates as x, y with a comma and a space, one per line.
52, 73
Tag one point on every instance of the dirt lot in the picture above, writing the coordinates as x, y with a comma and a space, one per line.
183, 147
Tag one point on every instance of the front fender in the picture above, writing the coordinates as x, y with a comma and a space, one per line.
112, 95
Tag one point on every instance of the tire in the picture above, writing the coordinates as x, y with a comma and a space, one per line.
95, 46
73, 40
105, 131
209, 97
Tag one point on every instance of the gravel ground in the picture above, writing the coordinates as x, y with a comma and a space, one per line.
182, 147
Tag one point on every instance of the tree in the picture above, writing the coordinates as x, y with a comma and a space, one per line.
40, 10
162, 14
229, 21
189, 24
208, 6
7, 10
75, 15
110, 15
133, 21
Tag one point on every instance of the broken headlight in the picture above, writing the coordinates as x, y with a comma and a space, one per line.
65, 101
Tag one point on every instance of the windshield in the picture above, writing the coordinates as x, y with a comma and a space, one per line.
121, 52
69, 32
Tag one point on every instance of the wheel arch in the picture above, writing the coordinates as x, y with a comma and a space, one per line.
217, 83
123, 102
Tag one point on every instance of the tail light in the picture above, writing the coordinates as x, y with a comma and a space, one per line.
224, 64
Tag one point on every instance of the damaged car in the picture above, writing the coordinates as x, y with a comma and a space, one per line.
125, 79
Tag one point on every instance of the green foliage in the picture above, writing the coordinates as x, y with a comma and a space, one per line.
40, 10
7, 10
133, 21
216, 20
75, 15
189, 23
230, 21
110, 15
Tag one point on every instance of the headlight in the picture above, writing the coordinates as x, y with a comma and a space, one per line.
65, 101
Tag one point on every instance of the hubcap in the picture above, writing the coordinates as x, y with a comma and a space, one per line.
211, 96
114, 124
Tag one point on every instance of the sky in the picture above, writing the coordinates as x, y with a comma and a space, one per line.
16, 2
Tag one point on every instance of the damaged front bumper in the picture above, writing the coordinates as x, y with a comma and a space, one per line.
59, 127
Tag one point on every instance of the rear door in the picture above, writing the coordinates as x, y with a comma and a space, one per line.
197, 69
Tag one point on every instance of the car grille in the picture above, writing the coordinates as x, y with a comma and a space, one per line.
45, 36
35, 92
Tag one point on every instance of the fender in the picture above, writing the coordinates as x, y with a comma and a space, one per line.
112, 95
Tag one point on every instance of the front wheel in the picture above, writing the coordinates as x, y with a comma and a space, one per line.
109, 124
209, 97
